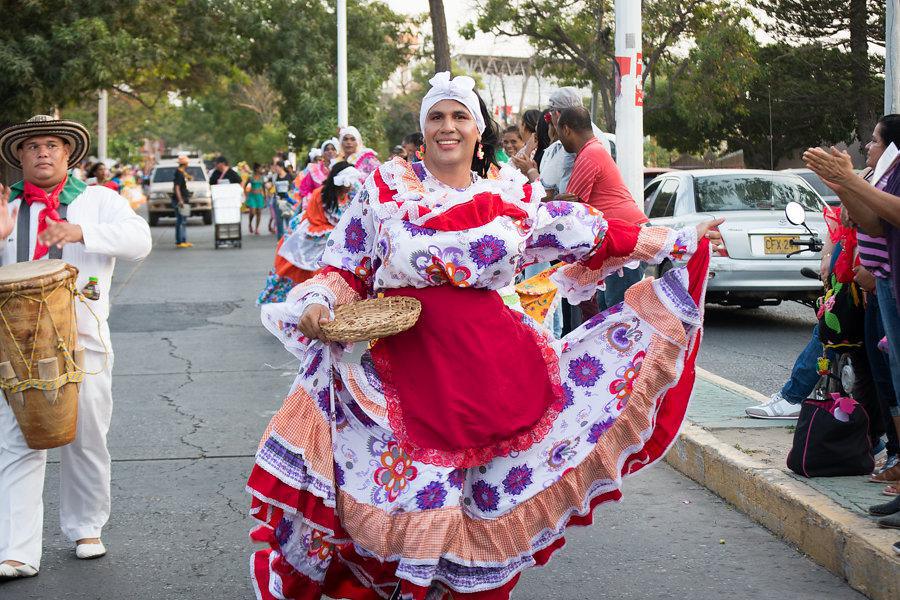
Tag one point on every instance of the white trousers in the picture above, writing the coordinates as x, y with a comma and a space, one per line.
84, 474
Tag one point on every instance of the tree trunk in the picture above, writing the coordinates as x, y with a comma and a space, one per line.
439, 33
859, 50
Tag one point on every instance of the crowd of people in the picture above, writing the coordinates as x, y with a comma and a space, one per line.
538, 146
861, 269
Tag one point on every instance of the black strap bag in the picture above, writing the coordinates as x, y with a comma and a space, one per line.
831, 440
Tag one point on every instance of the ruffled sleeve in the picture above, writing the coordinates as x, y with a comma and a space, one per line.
346, 277
566, 231
624, 245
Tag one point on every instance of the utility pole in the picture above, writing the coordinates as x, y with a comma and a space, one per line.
343, 115
102, 124
439, 34
630, 97
892, 58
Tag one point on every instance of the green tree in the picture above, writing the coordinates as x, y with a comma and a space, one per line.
800, 90
294, 45
575, 41
56, 53
849, 25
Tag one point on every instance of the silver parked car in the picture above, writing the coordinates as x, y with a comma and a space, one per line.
755, 268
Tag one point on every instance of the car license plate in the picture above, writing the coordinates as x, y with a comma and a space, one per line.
779, 244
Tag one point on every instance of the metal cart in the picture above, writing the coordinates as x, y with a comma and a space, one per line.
226, 202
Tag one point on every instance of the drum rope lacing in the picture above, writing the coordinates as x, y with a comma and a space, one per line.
74, 373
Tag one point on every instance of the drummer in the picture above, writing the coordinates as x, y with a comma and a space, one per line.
88, 227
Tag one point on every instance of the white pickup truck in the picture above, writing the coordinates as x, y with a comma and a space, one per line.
161, 190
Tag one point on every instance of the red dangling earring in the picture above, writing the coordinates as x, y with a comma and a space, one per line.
420, 153
480, 153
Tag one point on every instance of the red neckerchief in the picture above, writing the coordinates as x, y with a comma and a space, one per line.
32, 194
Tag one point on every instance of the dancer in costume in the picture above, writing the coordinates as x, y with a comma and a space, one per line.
354, 152
256, 197
298, 254
447, 459
317, 171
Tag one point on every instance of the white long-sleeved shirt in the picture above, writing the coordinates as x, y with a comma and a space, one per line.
111, 230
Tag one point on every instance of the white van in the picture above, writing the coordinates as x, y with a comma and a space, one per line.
161, 190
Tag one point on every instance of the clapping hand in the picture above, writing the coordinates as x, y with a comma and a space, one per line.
835, 166
7, 219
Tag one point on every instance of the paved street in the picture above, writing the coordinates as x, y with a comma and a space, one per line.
755, 348
196, 378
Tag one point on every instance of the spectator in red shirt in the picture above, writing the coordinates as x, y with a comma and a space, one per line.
596, 181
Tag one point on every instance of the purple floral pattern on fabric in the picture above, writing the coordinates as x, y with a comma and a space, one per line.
457, 478
547, 240
517, 479
598, 429
585, 370
339, 475
568, 396
431, 496
487, 250
355, 236
323, 399
485, 495
415, 230
557, 208
313, 364
284, 530
560, 454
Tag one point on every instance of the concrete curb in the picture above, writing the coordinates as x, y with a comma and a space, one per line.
731, 385
846, 544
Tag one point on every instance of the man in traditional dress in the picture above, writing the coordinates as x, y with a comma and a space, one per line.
51, 214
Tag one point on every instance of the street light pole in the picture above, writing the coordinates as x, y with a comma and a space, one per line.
630, 97
102, 125
892, 58
342, 116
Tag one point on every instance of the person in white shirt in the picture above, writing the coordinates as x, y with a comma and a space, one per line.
51, 214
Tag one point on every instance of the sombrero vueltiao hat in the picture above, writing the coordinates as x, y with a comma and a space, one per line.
74, 133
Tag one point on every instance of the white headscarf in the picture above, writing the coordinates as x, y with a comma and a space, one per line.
352, 132
314, 154
347, 177
333, 141
461, 89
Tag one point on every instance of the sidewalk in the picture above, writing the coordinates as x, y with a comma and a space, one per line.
743, 461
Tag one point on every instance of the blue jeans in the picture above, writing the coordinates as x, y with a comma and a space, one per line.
279, 220
880, 372
180, 227
884, 292
616, 285
805, 373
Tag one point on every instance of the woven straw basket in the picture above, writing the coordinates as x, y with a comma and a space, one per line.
371, 319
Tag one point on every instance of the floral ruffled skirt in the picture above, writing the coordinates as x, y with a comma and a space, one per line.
346, 511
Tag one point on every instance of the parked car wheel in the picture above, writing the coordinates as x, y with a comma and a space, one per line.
154, 220
207, 218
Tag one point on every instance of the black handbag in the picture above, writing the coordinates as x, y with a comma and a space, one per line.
827, 446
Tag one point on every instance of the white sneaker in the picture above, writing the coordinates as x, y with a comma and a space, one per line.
11, 572
776, 408
89, 551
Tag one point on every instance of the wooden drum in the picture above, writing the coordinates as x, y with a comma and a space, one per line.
40, 368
